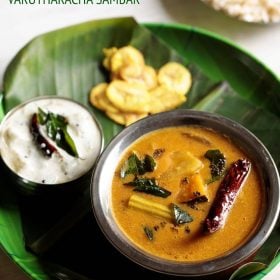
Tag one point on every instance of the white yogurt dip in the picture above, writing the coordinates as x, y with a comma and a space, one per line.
21, 154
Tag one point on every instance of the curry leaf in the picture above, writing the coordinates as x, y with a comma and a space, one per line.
42, 116
135, 166
180, 216
149, 233
149, 163
70, 143
56, 126
148, 186
217, 164
131, 166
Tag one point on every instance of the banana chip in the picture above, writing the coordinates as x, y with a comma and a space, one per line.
131, 73
126, 56
129, 97
108, 55
116, 117
136, 89
125, 118
175, 77
131, 118
95, 94
147, 76
164, 99
100, 100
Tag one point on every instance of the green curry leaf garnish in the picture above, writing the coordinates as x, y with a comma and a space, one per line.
133, 165
149, 164
217, 164
148, 186
149, 233
180, 216
56, 127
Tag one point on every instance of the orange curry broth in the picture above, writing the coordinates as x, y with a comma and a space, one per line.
175, 243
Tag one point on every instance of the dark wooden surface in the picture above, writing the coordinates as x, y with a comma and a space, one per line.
9, 270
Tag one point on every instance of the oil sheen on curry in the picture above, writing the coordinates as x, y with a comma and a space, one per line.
186, 194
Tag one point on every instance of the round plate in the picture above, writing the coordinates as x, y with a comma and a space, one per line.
252, 96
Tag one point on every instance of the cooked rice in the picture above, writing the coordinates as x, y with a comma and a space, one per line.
249, 10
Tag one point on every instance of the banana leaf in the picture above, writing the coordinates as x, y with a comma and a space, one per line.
53, 64
67, 62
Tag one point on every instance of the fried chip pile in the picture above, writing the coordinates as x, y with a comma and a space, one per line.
136, 89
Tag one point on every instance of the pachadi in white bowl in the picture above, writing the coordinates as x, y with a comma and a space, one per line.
49, 142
